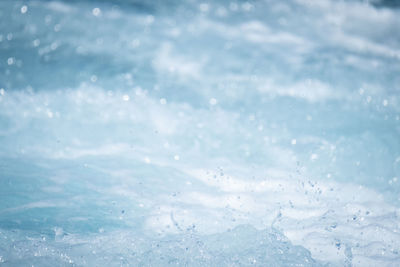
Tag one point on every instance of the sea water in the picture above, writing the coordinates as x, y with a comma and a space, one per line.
199, 133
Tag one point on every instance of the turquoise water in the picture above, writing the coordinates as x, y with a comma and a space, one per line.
192, 133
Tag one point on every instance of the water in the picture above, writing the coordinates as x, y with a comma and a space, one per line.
199, 133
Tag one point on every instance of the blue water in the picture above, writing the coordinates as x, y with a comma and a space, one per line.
138, 133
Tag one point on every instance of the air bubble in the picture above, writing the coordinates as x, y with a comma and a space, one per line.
24, 9
385, 102
96, 12
10, 61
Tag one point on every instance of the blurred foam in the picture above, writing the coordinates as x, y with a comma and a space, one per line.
226, 134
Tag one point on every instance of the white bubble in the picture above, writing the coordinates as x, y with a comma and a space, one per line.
57, 27
53, 46
309, 118
10, 61
149, 19
213, 101
147, 160
385, 102
36, 42
50, 114
314, 157
125, 97
163, 101
369, 98
2, 91
361, 91
96, 11
176, 157
58, 231
294, 141
24, 9
9, 36
93, 78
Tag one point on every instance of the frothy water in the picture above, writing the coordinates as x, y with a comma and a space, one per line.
199, 133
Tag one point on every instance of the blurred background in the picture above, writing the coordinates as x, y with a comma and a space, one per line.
195, 133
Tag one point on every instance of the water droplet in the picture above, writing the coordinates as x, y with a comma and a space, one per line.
53, 46
10, 61
149, 19
96, 11
24, 9
36, 42
57, 27
385, 102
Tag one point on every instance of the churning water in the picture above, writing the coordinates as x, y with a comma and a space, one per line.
155, 133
